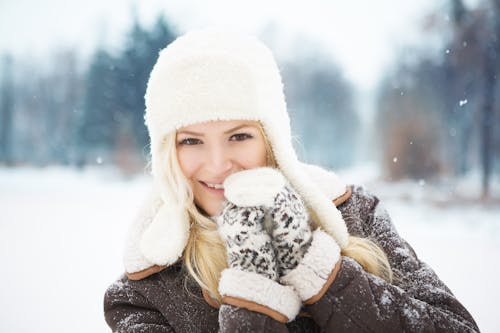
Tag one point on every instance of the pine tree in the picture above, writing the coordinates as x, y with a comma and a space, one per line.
6, 111
98, 122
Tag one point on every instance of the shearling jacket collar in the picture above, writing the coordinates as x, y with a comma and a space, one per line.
137, 267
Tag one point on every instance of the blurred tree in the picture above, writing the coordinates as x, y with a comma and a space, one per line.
322, 109
409, 123
474, 64
462, 66
67, 116
6, 110
491, 68
47, 97
113, 127
65, 87
454, 90
97, 127
133, 68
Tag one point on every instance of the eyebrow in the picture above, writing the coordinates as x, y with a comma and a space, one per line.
225, 132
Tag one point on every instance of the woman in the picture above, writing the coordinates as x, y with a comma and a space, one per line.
238, 235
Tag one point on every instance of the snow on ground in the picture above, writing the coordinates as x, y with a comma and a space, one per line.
62, 234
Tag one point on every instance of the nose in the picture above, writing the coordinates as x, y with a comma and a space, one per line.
219, 160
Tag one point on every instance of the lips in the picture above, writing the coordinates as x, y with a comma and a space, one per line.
213, 187
216, 186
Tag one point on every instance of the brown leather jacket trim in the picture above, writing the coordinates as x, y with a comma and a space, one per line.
211, 301
145, 272
340, 200
252, 306
327, 284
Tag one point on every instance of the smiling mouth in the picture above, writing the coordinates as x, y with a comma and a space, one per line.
213, 186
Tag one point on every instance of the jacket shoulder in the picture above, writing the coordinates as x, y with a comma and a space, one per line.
360, 196
358, 209
167, 296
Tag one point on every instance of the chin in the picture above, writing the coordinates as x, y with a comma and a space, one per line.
211, 209
215, 210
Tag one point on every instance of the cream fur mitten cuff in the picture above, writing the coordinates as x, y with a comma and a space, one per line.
309, 277
254, 187
260, 290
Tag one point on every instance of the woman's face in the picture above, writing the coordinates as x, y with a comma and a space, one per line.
211, 151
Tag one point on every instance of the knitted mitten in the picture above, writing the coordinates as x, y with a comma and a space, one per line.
248, 244
251, 281
291, 233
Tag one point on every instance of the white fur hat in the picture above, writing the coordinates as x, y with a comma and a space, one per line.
210, 75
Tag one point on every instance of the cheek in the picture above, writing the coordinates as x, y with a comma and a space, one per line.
187, 162
190, 163
260, 157
260, 153
253, 156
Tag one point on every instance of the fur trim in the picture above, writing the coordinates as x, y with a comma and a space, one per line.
158, 235
261, 290
134, 260
207, 75
254, 187
164, 240
327, 216
315, 268
327, 181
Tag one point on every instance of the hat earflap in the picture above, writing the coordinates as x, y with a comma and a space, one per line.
328, 216
164, 240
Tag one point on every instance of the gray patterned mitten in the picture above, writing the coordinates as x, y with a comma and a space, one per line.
291, 234
248, 244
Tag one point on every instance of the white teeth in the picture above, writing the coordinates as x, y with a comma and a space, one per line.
216, 186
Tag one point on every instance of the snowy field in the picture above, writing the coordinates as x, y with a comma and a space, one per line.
62, 233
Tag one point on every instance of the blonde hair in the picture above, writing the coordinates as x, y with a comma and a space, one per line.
205, 253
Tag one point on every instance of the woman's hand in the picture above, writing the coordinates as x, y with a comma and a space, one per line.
251, 281
291, 230
300, 262
265, 190
249, 246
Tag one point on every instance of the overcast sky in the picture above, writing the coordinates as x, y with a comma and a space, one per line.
363, 36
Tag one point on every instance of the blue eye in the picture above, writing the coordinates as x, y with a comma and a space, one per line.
240, 137
190, 142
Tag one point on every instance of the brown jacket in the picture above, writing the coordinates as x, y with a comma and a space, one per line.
356, 301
